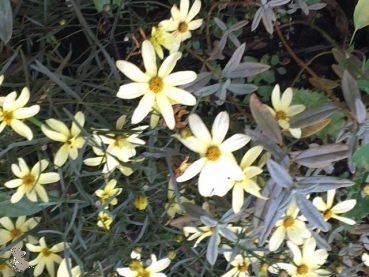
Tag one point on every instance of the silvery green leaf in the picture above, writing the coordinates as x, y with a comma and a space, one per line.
230, 216
247, 69
242, 89
234, 60
212, 249
208, 221
276, 3
312, 116
335, 234
265, 120
228, 234
267, 20
325, 183
350, 90
194, 210
317, 6
360, 110
201, 81
279, 174
6, 21
286, 202
222, 92
306, 189
217, 54
257, 18
234, 39
220, 24
238, 25
311, 213
304, 7
323, 155
205, 91
320, 242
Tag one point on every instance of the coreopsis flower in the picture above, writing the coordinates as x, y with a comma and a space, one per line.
12, 112
172, 207
160, 38
289, 226
306, 263
181, 22
365, 258
72, 140
140, 202
5, 266
333, 212
47, 257
248, 183
104, 220
63, 269
240, 263
202, 232
108, 192
217, 166
120, 146
136, 268
158, 87
30, 182
283, 110
13, 231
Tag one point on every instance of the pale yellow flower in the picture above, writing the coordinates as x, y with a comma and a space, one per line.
30, 181
365, 258
136, 269
181, 22
13, 111
248, 183
47, 257
5, 266
108, 192
217, 166
104, 220
172, 207
13, 231
158, 87
140, 202
160, 38
63, 269
283, 110
72, 140
333, 212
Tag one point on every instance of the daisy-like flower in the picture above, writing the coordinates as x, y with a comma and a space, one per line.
47, 257
5, 266
136, 269
181, 22
104, 220
283, 111
218, 166
57, 130
247, 184
63, 269
333, 212
365, 258
121, 146
172, 205
306, 263
202, 232
30, 181
108, 192
140, 202
160, 38
158, 87
240, 263
289, 225
13, 111
13, 231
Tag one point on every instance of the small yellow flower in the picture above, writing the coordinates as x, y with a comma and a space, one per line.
105, 220
140, 202
172, 207
108, 192
47, 257
63, 269
13, 112
283, 111
172, 255
160, 38
72, 141
5, 266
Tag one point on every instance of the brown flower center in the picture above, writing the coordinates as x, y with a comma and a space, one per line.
8, 117
46, 252
288, 222
327, 214
281, 115
15, 233
29, 180
213, 153
3, 267
302, 269
144, 274
243, 267
183, 27
156, 84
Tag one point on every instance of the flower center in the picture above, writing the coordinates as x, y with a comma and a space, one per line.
288, 222
29, 180
243, 267
144, 274
15, 233
302, 269
8, 117
156, 84
135, 265
182, 27
327, 214
213, 153
3, 267
46, 252
281, 115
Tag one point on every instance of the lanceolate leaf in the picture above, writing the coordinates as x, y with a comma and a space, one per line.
242, 89
312, 116
212, 249
279, 174
234, 61
6, 21
350, 90
361, 14
325, 183
247, 69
